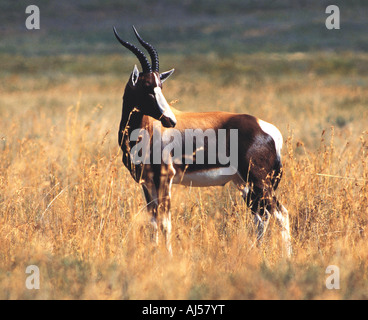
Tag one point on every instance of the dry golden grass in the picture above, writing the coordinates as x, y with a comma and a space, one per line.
69, 206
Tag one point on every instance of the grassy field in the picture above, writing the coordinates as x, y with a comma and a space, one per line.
68, 206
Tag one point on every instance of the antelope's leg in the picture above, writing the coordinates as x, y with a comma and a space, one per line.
282, 217
252, 199
256, 201
261, 223
152, 207
164, 196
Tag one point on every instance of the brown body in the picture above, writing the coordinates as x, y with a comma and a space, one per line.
258, 170
257, 158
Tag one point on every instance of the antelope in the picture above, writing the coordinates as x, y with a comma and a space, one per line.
258, 146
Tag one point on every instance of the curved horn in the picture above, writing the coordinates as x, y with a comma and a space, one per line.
151, 50
139, 54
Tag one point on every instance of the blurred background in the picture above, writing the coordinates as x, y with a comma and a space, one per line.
223, 27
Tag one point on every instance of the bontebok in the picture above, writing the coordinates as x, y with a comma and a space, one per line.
163, 146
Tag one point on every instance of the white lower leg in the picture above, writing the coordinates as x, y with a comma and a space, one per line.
155, 230
282, 218
166, 229
261, 224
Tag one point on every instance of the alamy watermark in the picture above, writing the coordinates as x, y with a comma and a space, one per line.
333, 20
33, 20
207, 147
333, 281
33, 280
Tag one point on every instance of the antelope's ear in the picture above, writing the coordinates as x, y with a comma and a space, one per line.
165, 75
135, 75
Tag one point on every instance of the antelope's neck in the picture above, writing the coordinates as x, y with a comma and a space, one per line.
131, 119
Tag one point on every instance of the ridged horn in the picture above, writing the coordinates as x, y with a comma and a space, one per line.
151, 50
146, 67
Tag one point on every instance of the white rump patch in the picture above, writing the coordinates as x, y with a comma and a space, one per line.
274, 133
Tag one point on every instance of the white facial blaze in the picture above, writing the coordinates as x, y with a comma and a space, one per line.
161, 101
